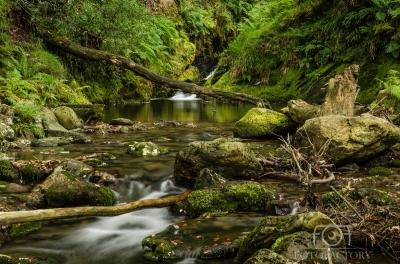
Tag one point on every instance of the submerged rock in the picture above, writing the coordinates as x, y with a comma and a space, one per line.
229, 158
121, 121
262, 122
215, 236
145, 149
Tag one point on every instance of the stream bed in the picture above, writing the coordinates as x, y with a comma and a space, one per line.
118, 239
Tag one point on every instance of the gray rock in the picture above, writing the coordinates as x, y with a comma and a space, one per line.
68, 118
6, 132
121, 121
227, 157
50, 121
145, 149
347, 139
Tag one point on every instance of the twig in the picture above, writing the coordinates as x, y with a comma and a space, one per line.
347, 202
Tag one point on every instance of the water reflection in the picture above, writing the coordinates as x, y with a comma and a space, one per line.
187, 111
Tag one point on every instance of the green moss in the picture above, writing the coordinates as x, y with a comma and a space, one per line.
76, 193
373, 196
69, 175
393, 163
237, 197
24, 228
30, 173
380, 171
93, 162
8, 172
161, 249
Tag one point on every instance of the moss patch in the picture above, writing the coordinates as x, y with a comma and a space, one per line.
7, 172
380, 171
21, 229
236, 197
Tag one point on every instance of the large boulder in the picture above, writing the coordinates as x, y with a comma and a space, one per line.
262, 122
49, 120
272, 228
230, 158
68, 118
347, 139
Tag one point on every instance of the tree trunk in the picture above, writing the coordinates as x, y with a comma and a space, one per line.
66, 45
7, 218
341, 95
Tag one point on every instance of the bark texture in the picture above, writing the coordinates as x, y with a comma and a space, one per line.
340, 98
7, 218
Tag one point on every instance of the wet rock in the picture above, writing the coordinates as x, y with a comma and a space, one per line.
101, 177
227, 157
267, 256
74, 137
271, 228
65, 183
88, 112
309, 248
6, 114
122, 122
145, 149
26, 260
380, 171
262, 122
8, 172
68, 118
207, 179
355, 196
348, 139
229, 197
77, 193
168, 123
22, 229
14, 188
51, 142
215, 236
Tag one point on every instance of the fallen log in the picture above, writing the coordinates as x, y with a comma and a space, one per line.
64, 44
7, 218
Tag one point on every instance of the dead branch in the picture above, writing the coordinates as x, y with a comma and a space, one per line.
7, 218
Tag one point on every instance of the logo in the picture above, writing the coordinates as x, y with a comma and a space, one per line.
332, 235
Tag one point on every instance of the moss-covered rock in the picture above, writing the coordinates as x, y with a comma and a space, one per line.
242, 196
268, 256
262, 122
308, 248
76, 193
229, 158
21, 229
207, 179
145, 149
7, 172
4, 259
30, 173
67, 117
355, 196
380, 171
214, 236
271, 228
351, 139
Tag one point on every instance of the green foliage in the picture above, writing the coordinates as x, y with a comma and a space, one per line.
282, 36
391, 83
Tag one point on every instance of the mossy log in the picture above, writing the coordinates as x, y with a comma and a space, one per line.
64, 44
7, 218
340, 98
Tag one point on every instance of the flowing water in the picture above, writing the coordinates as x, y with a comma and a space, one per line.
118, 239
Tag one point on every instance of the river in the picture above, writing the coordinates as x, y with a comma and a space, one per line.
118, 239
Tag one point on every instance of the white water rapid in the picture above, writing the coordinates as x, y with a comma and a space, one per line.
180, 96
